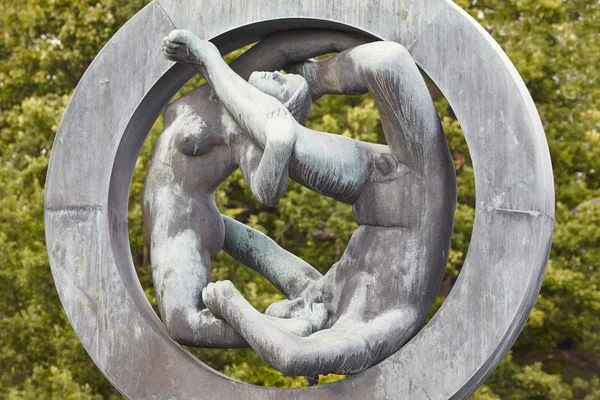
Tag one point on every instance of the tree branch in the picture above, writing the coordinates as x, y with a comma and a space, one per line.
564, 356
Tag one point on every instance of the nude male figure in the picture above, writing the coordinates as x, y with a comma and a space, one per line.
403, 195
200, 147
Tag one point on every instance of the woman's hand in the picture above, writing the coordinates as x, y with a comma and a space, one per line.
184, 47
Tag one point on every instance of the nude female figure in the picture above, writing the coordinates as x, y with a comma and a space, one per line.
403, 195
200, 147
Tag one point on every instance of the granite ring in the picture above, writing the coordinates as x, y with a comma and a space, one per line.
123, 92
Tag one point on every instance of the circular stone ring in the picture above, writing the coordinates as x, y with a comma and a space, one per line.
123, 92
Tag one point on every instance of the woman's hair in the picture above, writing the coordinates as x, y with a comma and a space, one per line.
300, 103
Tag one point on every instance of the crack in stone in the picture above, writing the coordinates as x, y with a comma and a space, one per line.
76, 208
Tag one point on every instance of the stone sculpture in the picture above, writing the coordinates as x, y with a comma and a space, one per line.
116, 103
200, 147
379, 293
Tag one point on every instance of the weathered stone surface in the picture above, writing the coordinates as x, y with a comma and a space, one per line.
114, 106
379, 294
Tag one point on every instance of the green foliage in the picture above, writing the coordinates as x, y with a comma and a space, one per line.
47, 45
45, 48
555, 45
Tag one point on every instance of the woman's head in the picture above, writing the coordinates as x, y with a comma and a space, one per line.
290, 89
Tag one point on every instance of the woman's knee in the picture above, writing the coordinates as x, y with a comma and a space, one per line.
180, 326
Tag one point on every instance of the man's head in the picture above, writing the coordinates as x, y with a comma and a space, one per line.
291, 90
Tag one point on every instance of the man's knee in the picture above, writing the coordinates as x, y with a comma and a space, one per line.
289, 361
382, 55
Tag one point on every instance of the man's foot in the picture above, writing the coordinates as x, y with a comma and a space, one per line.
220, 296
315, 314
184, 47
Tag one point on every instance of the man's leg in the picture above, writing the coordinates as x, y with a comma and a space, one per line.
324, 352
389, 73
343, 351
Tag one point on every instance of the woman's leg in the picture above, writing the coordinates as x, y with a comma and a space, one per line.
288, 273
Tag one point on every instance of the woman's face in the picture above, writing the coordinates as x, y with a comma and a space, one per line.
276, 84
